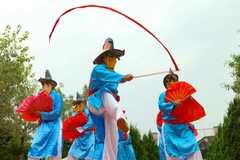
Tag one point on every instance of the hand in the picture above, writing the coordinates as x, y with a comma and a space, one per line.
128, 77
37, 113
177, 103
74, 130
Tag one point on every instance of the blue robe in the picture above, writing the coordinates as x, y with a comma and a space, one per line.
100, 136
46, 138
160, 145
102, 80
179, 138
128, 149
83, 146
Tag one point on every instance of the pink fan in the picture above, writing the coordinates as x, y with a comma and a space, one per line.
34, 103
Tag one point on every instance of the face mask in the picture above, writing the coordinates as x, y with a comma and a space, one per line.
110, 62
171, 81
79, 107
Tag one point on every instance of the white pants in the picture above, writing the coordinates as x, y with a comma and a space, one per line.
70, 157
194, 156
59, 155
111, 112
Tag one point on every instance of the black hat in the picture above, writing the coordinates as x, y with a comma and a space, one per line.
79, 99
108, 49
48, 78
168, 76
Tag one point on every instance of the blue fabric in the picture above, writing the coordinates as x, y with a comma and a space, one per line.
128, 149
121, 155
98, 121
160, 145
84, 146
179, 139
45, 141
102, 80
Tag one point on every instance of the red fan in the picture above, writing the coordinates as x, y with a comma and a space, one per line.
189, 111
30, 117
70, 124
34, 103
179, 91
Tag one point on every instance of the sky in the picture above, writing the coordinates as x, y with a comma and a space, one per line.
201, 35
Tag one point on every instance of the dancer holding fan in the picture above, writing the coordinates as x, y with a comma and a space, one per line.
47, 140
177, 132
83, 145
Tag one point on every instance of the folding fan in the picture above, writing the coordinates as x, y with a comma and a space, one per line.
71, 123
34, 103
189, 111
30, 117
179, 91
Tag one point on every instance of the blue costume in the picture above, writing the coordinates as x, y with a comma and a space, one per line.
179, 139
128, 149
100, 136
102, 80
83, 146
160, 145
103, 99
46, 138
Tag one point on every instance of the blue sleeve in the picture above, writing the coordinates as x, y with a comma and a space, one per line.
89, 123
101, 73
163, 105
57, 108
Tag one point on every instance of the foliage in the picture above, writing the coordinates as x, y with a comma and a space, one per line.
144, 146
226, 144
16, 83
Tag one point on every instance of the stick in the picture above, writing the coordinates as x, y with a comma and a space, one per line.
151, 74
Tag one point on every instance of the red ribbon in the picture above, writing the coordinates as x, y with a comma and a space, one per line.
116, 11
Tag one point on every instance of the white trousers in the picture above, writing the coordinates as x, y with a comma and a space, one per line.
59, 155
70, 157
111, 112
194, 156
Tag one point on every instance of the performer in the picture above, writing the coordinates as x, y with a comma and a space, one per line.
83, 146
128, 148
103, 97
178, 137
123, 141
47, 140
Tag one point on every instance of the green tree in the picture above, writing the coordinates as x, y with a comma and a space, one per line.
16, 84
84, 91
144, 146
226, 144
150, 146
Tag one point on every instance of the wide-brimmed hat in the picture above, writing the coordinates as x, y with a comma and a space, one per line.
168, 76
108, 49
48, 78
79, 99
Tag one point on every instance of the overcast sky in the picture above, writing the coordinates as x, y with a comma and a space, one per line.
200, 34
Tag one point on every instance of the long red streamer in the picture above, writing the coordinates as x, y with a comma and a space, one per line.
116, 11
